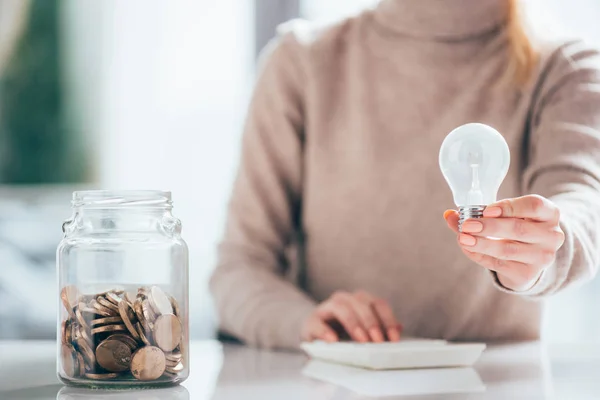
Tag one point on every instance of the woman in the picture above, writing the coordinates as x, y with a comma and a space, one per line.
339, 157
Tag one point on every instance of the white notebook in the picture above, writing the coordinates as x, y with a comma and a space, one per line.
405, 354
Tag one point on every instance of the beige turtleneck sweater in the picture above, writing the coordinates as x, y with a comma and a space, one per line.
340, 155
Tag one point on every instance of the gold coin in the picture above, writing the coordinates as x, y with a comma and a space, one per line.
68, 360
113, 297
102, 377
108, 328
86, 352
102, 300
159, 301
125, 311
69, 295
175, 370
131, 342
148, 363
175, 306
113, 355
167, 332
100, 309
142, 335
106, 321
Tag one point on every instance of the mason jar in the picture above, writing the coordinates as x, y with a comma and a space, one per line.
123, 292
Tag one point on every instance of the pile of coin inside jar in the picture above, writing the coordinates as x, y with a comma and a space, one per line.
119, 335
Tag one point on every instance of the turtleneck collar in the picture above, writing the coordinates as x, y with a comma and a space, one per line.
442, 19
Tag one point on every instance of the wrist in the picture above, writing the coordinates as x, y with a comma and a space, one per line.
519, 286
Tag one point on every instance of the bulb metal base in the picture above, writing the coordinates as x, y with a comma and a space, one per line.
466, 212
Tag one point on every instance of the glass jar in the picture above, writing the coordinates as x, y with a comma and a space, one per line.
123, 292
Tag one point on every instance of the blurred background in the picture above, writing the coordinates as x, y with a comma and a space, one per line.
150, 94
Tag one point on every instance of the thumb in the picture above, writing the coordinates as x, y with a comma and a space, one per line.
451, 217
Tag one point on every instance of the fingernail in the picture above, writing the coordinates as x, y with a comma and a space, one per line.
492, 212
393, 334
360, 335
376, 335
467, 240
472, 226
447, 213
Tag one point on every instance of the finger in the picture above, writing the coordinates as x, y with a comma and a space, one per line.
319, 330
514, 270
367, 317
385, 315
531, 206
451, 218
517, 229
507, 250
337, 309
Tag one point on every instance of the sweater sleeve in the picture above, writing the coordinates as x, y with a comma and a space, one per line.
253, 300
564, 163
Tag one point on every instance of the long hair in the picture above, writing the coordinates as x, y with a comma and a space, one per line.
523, 57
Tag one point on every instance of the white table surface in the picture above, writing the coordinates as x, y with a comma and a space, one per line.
226, 372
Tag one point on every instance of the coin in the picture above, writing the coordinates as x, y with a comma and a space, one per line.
100, 309
108, 328
79, 316
159, 301
137, 307
132, 343
175, 306
86, 352
68, 360
106, 321
113, 355
170, 363
175, 370
125, 311
81, 364
102, 377
148, 363
143, 291
173, 357
149, 314
142, 335
87, 311
69, 295
84, 334
113, 297
130, 297
167, 332
102, 300
65, 328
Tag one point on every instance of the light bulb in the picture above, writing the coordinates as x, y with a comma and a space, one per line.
474, 159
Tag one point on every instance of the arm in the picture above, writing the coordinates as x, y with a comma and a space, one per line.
550, 240
564, 164
253, 300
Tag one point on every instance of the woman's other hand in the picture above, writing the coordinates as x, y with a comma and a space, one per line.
360, 316
517, 238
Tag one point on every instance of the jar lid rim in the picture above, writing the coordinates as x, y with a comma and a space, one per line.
111, 198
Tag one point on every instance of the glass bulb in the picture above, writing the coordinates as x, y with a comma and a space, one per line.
474, 159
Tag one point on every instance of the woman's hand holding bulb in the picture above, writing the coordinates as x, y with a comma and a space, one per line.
517, 238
